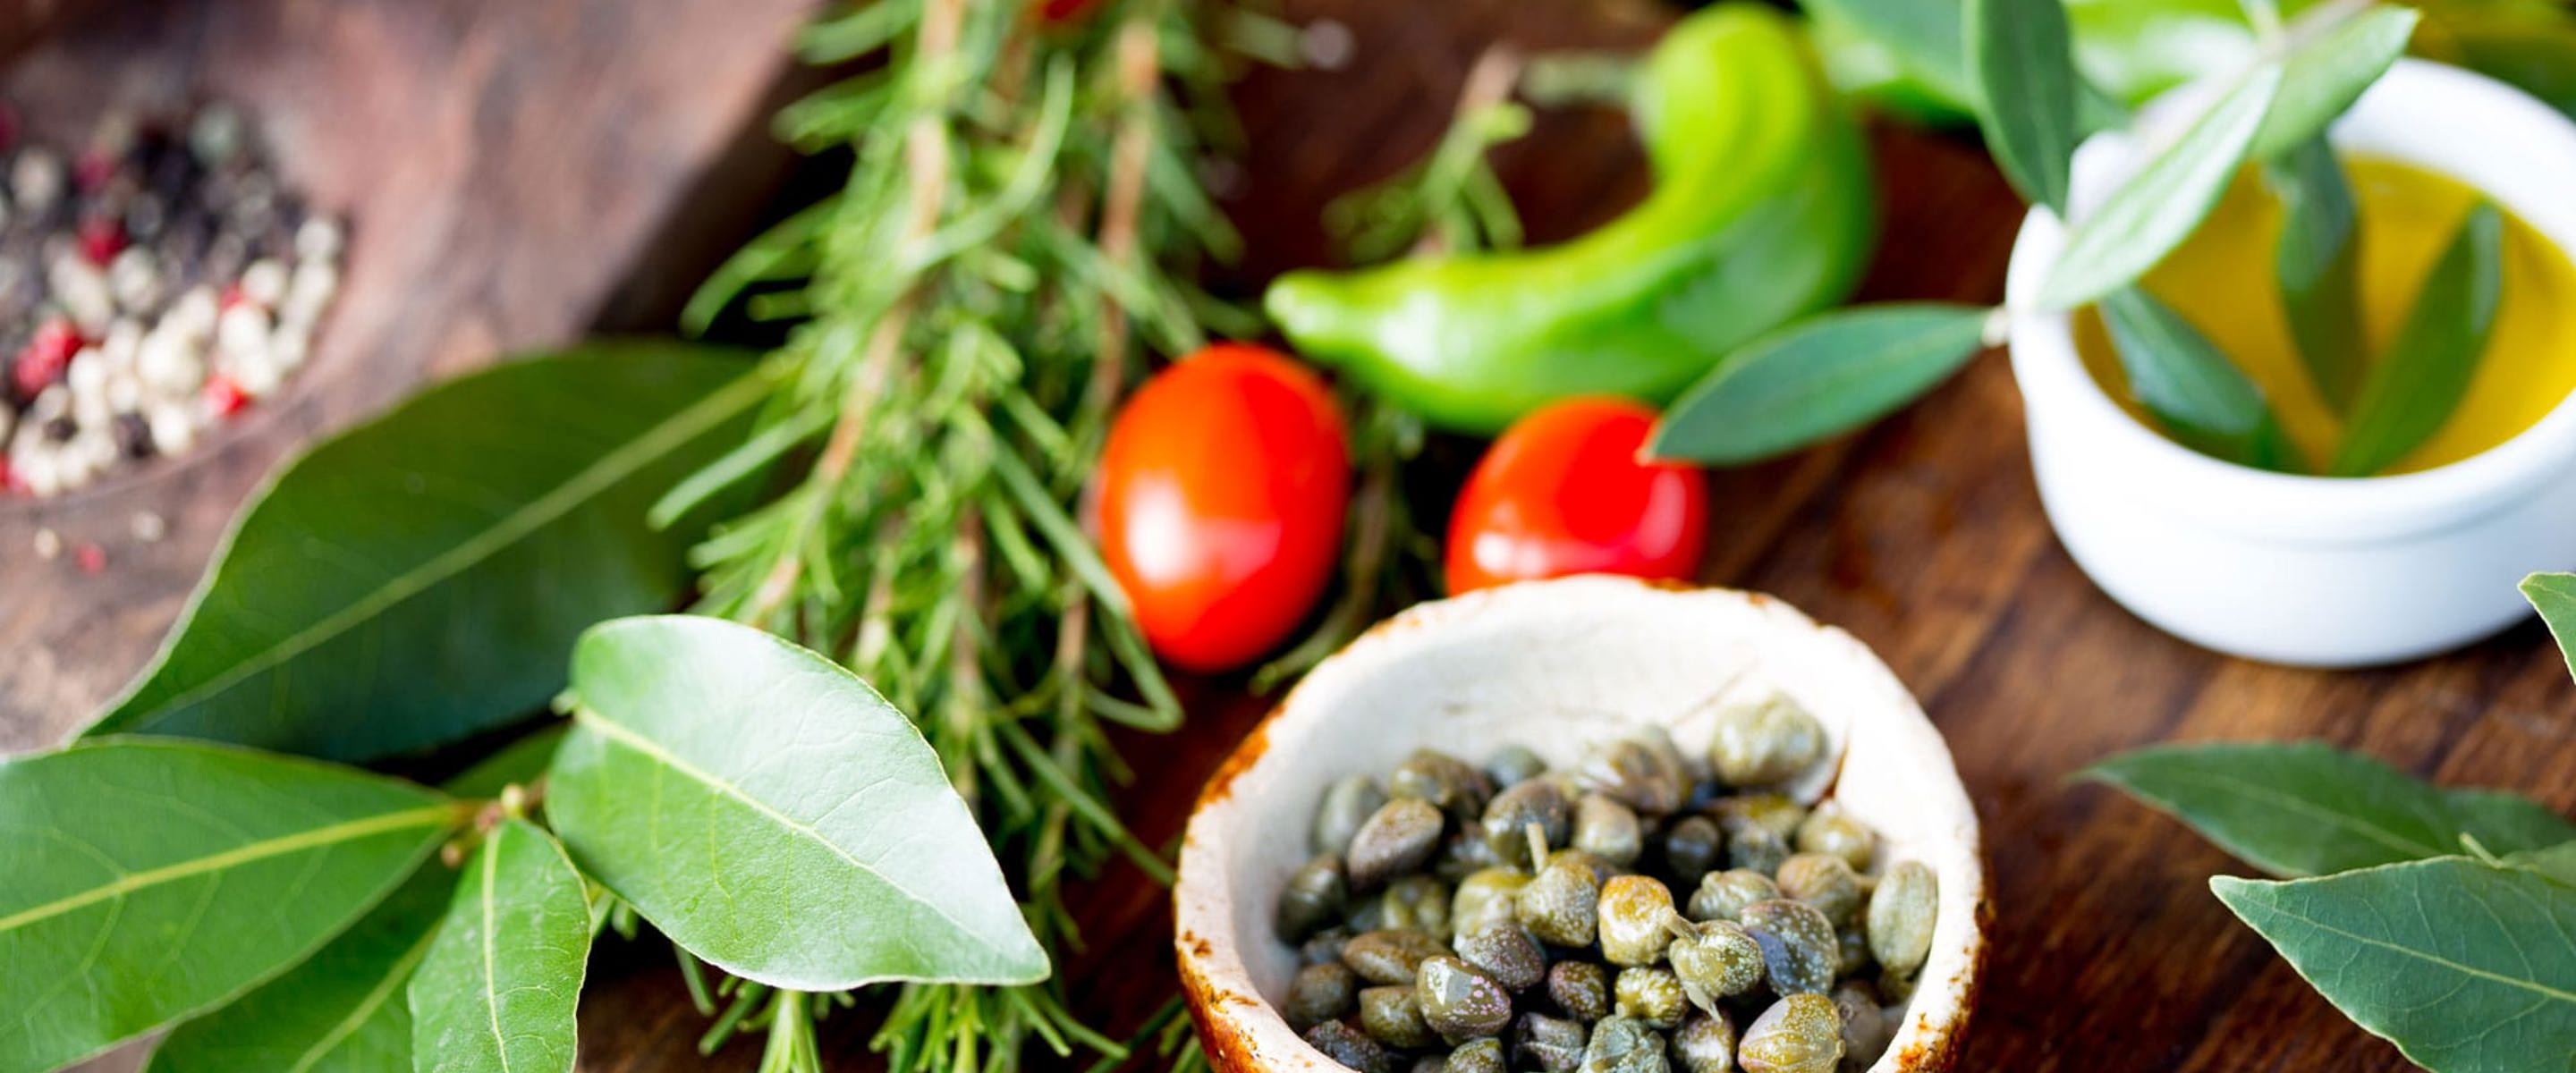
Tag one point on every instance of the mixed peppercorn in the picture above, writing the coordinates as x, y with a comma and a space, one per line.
1466, 919
151, 286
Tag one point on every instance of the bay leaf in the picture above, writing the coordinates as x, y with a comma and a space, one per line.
2306, 809
1817, 379
2200, 397
342, 1011
2148, 216
2329, 68
773, 815
2023, 58
2554, 596
2318, 262
2415, 386
423, 576
147, 881
499, 988
2467, 967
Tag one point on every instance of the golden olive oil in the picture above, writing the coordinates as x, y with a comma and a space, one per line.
2223, 281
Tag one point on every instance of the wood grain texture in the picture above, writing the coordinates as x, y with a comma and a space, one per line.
1923, 536
515, 172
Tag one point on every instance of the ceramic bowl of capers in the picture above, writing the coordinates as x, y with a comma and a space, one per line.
1589, 825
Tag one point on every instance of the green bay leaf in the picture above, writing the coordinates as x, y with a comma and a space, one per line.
772, 814
2147, 217
2023, 58
499, 988
342, 1011
423, 576
2190, 386
1818, 379
148, 881
2412, 390
2467, 967
2554, 596
2306, 809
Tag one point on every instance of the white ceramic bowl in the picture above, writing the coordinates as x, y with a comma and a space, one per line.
1558, 666
2311, 570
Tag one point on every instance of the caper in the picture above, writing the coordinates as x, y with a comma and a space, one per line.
1692, 846
1398, 838
1476, 1056
1660, 741
1802, 1033
1553, 1044
1705, 1043
1716, 960
1312, 900
1391, 1016
1866, 1032
1430, 1063
1624, 1045
1756, 849
1509, 816
1350, 1047
1347, 804
1824, 881
1636, 774
1896, 987
1851, 951
1740, 812
1607, 829
1650, 994
1632, 911
1460, 1002
1448, 783
1390, 957
1486, 898
1513, 765
1506, 953
1828, 830
1417, 902
1765, 742
1561, 905
1723, 895
1901, 914
1464, 853
1323, 946
1580, 988
1319, 993
1798, 948
1366, 915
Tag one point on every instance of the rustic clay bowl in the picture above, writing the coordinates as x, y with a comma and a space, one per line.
1557, 666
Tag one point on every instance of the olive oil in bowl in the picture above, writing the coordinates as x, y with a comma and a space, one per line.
2223, 281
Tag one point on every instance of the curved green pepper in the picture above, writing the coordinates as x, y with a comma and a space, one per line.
1763, 211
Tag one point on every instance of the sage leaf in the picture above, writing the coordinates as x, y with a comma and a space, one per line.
773, 815
2467, 967
498, 989
2325, 73
423, 576
342, 1011
2413, 388
2318, 262
149, 881
2190, 387
2023, 58
1818, 379
2554, 596
2305, 809
2151, 214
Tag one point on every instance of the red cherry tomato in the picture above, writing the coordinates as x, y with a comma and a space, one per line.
1222, 489
1565, 492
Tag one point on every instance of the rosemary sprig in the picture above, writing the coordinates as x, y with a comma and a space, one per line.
971, 304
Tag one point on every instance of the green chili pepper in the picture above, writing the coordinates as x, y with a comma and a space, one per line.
1762, 211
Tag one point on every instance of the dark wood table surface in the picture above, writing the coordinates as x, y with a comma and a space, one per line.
1923, 536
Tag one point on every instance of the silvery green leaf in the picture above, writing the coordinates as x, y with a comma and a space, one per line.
2191, 388
772, 814
2319, 265
2023, 59
143, 882
2323, 75
501, 982
2468, 967
2554, 596
2305, 809
2414, 387
1817, 379
2160, 206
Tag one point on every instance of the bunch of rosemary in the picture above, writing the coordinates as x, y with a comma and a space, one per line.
1020, 223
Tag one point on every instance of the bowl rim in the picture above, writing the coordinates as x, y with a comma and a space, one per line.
2301, 508
1242, 1032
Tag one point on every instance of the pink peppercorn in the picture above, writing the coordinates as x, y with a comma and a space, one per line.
223, 396
91, 558
101, 239
47, 354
